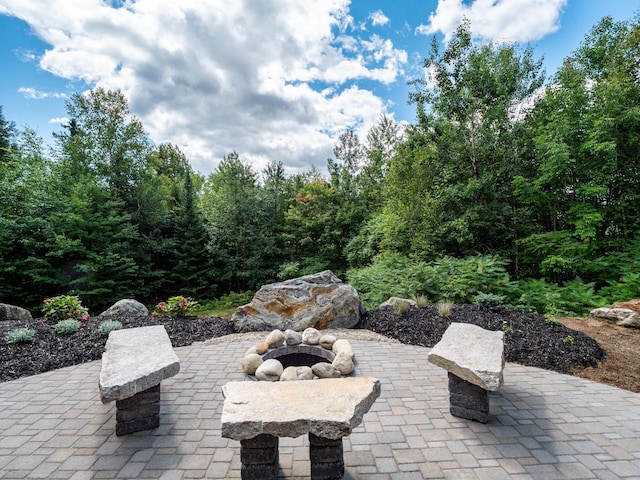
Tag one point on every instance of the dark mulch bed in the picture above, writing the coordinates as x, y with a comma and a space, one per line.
530, 340
49, 351
533, 341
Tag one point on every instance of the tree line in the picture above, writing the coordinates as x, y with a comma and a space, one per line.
546, 200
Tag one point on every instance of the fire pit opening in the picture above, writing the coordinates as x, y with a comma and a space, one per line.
300, 355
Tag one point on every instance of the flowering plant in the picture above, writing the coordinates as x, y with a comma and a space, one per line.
178, 305
64, 307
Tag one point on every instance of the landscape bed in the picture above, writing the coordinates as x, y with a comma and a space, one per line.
530, 339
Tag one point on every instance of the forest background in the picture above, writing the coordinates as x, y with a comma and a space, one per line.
539, 210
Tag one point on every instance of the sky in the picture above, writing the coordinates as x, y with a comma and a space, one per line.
274, 80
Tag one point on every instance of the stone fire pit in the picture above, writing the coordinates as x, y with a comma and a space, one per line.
291, 355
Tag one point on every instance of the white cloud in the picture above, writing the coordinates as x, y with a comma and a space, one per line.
378, 18
34, 94
273, 80
497, 20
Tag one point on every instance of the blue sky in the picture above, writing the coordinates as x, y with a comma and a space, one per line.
277, 80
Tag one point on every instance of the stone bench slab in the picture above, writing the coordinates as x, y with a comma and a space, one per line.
327, 408
136, 359
472, 354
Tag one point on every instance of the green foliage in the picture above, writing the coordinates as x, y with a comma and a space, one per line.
574, 298
21, 335
225, 305
506, 328
461, 280
178, 305
390, 275
488, 300
63, 307
444, 308
108, 326
568, 340
67, 327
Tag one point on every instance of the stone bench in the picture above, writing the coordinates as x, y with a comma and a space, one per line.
258, 413
134, 363
474, 358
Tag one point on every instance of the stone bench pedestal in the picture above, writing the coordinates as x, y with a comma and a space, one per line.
258, 413
134, 363
474, 360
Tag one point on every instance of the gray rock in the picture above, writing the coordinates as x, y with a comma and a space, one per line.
296, 373
343, 363
395, 302
311, 336
620, 316
320, 301
292, 337
275, 339
327, 340
251, 362
126, 307
14, 313
338, 406
472, 354
134, 360
325, 370
270, 370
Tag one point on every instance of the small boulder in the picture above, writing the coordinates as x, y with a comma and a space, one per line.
275, 339
292, 337
311, 336
261, 347
126, 307
325, 370
630, 305
396, 302
327, 340
11, 312
342, 346
251, 362
296, 373
619, 316
343, 362
269, 370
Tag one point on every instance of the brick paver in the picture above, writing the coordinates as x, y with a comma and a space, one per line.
543, 425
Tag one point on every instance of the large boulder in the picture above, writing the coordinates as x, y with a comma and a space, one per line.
316, 301
11, 312
126, 307
619, 316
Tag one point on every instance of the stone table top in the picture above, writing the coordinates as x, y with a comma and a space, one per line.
328, 408
471, 353
136, 359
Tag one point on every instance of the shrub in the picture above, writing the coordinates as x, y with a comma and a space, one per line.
568, 340
488, 300
461, 279
444, 309
21, 335
390, 275
177, 305
108, 326
63, 307
67, 327
506, 328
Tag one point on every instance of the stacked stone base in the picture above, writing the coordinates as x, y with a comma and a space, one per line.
327, 458
467, 400
138, 413
259, 457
